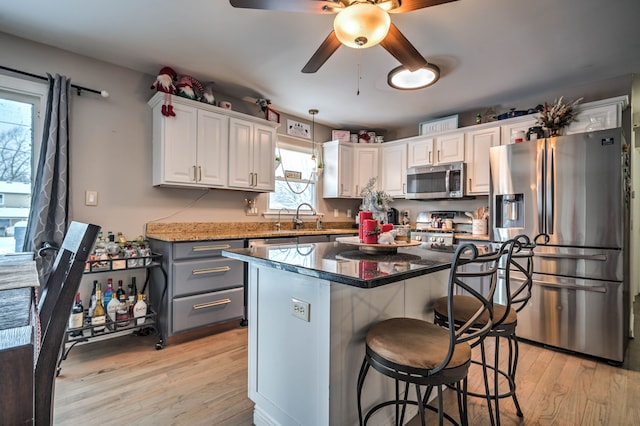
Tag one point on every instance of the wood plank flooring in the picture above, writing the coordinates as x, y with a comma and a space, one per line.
204, 382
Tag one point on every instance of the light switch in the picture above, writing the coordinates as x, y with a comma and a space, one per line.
91, 198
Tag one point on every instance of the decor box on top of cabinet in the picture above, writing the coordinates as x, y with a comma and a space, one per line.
195, 148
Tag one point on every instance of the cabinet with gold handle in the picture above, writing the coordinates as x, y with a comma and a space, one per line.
210, 270
211, 304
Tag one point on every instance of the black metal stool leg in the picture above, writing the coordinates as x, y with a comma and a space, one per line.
361, 376
513, 365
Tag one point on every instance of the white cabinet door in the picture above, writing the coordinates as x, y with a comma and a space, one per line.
213, 142
264, 152
393, 168
420, 152
514, 125
365, 167
477, 158
240, 153
337, 178
449, 148
174, 146
594, 118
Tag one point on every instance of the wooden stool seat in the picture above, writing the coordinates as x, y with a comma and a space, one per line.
415, 343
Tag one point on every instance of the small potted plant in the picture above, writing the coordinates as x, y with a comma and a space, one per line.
319, 168
277, 162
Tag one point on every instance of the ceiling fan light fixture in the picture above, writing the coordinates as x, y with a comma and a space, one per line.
361, 25
403, 79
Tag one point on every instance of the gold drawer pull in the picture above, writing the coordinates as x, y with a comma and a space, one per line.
209, 248
210, 270
211, 304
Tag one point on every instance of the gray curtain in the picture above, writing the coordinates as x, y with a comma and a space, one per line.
49, 201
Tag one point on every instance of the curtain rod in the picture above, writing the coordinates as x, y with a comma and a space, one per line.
102, 93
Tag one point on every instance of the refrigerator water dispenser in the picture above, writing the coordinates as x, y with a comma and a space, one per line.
509, 210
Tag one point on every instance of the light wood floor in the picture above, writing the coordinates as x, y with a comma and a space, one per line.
204, 382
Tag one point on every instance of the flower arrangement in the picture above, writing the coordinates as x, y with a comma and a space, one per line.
375, 201
557, 115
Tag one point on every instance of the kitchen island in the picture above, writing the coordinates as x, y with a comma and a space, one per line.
309, 308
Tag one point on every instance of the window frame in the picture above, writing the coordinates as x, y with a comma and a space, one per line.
302, 148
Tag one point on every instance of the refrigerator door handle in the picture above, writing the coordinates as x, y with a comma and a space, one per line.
550, 189
599, 257
539, 190
595, 289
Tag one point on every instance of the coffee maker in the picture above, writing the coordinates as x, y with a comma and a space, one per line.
393, 216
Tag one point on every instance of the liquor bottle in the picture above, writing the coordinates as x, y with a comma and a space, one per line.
112, 308
108, 293
92, 303
76, 320
120, 293
140, 310
133, 291
99, 317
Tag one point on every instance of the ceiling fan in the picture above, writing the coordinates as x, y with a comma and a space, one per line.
358, 24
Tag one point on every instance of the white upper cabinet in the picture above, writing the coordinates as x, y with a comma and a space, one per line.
517, 124
189, 149
420, 151
477, 157
598, 115
393, 169
251, 156
449, 148
337, 178
365, 166
192, 149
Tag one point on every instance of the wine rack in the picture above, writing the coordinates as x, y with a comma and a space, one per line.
88, 333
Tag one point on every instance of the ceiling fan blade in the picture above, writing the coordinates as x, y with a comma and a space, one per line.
400, 48
326, 49
409, 5
306, 6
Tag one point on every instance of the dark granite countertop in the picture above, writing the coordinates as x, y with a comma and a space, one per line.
346, 264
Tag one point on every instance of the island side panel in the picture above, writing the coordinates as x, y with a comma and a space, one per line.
353, 311
288, 356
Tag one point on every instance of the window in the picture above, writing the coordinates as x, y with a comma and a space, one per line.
20, 134
293, 191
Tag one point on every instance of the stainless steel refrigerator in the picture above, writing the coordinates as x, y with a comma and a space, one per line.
575, 189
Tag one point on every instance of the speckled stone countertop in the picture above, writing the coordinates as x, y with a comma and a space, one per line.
346, 264
204, 231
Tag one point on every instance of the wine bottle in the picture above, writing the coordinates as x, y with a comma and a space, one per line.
76, 319
133, 291
92, 304
99, 317
140, 310
108, 293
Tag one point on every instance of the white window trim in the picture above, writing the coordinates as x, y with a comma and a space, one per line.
34, 89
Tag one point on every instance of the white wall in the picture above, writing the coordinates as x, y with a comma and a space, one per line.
111, 146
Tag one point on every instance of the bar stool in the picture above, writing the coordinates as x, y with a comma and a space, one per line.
420, 353
517, 291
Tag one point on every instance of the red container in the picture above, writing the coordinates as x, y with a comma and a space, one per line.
361, 218
386, 227
370, 233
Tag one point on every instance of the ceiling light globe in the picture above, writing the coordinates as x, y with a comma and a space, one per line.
361, 25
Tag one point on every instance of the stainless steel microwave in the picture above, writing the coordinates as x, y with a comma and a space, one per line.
436, 182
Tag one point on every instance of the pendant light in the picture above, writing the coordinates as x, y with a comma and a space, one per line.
313, 113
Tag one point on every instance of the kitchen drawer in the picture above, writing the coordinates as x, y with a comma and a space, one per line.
206, 309
192, 250
204, 275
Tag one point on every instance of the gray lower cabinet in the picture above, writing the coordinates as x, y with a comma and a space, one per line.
203, 288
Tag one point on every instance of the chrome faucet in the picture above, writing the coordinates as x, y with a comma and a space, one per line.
278, 222
296, 220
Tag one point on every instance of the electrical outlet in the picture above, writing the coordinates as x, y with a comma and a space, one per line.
336, 213
348, 212
300, 309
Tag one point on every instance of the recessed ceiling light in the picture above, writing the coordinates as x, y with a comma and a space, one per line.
403, 79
